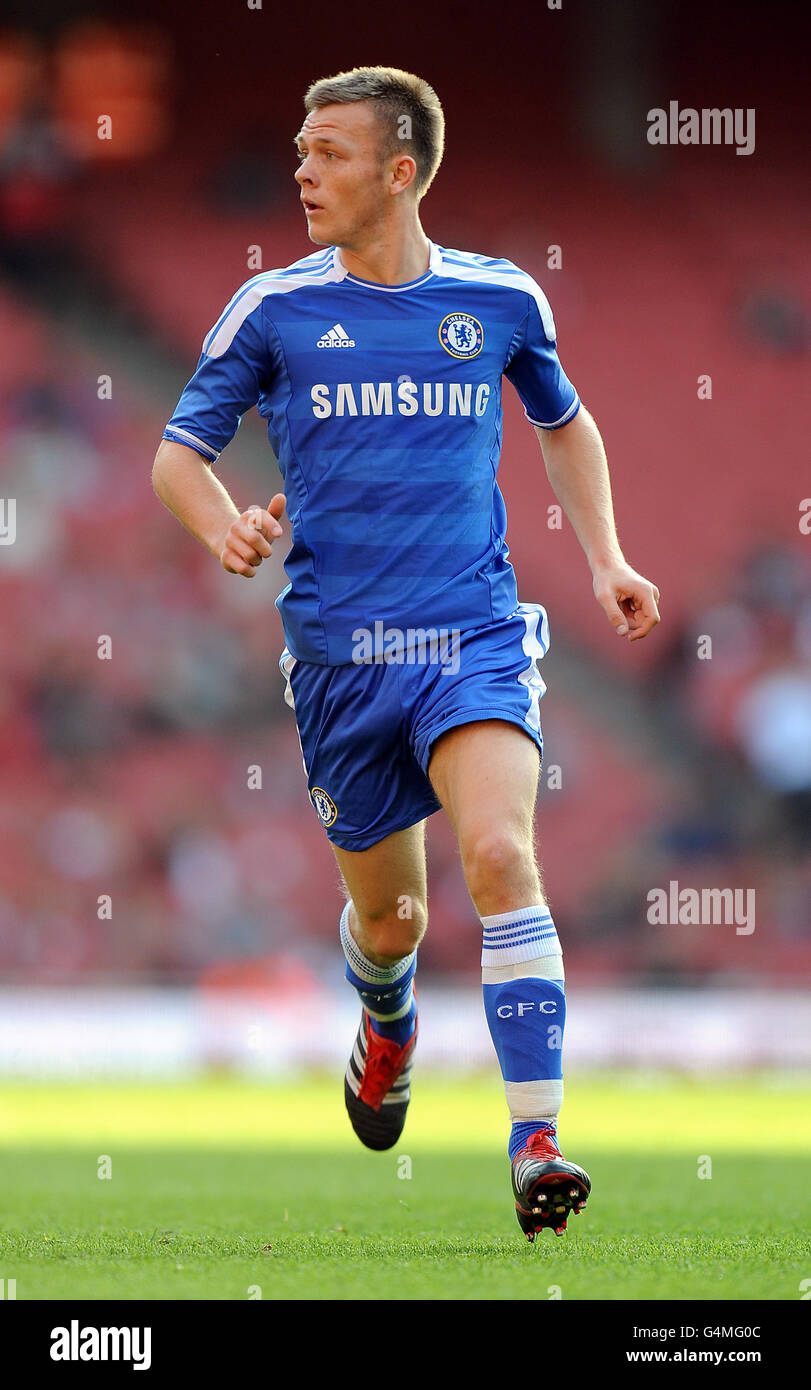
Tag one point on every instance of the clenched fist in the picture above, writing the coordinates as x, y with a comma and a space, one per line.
249, 538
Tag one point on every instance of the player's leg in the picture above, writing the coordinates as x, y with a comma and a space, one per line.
387, 892
381, 926
486, 776
372, 800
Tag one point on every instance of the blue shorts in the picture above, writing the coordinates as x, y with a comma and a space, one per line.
366, 729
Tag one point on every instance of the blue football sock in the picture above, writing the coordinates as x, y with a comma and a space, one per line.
401, 1029
386, 992
521, 1132
525, 1004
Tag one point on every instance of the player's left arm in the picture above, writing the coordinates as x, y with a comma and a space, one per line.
577, 469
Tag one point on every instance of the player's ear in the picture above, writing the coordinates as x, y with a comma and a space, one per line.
403, 173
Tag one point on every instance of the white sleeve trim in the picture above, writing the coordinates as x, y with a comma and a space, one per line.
250, 296
564, 419
513, 279
207, 449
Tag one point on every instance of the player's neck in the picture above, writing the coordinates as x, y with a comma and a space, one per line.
394, 257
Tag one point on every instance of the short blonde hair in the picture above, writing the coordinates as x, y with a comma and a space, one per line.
396, 94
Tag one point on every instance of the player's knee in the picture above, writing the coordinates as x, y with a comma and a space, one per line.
497, 861
394, 931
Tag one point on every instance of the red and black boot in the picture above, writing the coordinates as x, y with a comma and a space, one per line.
377, 1087
547, 1188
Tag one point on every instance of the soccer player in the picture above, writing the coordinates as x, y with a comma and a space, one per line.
410, 663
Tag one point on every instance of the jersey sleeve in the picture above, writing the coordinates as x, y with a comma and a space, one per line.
548, 397
233, 370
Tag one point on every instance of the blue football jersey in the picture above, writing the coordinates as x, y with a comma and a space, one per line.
383, 405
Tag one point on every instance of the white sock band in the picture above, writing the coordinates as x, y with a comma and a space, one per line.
545, 968
534, 1100
510, 938
366, 969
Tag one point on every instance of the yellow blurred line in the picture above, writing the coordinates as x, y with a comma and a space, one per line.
469, 1114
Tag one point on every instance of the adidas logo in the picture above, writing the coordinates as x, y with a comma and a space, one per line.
336, 338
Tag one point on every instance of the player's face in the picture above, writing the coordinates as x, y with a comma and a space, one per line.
341, 174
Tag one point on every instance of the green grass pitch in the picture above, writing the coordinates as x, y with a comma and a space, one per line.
230, 1189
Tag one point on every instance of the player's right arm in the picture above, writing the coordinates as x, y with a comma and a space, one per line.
186, 485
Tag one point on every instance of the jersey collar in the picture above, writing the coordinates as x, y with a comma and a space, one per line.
434, 267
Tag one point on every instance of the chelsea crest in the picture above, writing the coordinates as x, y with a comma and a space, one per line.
461, 335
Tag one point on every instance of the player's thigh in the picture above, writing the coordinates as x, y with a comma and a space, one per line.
486, 769
486, 777
388, 882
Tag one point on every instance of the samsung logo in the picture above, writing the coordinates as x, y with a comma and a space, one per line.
399, 398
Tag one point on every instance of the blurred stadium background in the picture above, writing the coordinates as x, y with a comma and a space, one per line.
127, 778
